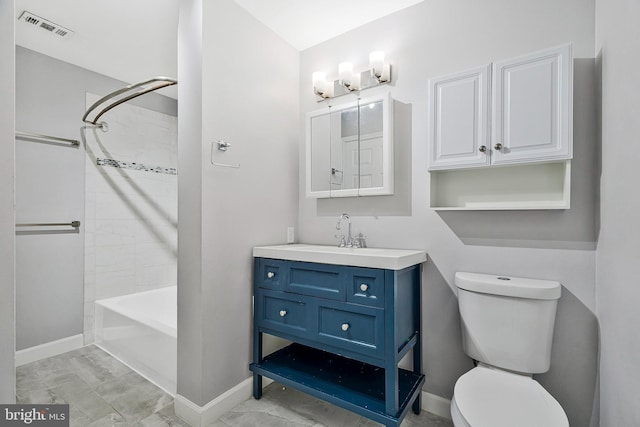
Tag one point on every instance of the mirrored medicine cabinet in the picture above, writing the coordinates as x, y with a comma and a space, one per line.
349, 149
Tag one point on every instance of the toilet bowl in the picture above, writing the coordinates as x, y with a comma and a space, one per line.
489, 397
507, 327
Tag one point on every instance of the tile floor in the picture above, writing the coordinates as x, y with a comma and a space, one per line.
101, 391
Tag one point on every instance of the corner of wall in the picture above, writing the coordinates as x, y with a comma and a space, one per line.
198, 416
190, 353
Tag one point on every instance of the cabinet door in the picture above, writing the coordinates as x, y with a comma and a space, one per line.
459, 120
532, 107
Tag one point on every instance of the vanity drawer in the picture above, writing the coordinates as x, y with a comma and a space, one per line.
271, 273
354, 328
366, 286
318, 280
284, 314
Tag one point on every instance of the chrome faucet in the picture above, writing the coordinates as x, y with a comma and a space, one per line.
349, 241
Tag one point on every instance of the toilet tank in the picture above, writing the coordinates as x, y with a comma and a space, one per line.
508, 322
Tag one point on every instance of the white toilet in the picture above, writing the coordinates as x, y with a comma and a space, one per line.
507, 326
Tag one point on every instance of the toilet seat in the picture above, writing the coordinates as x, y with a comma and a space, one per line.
490, 397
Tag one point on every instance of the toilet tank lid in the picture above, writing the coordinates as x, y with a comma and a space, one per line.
508, 286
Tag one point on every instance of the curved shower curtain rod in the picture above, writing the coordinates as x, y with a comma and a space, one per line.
123, 95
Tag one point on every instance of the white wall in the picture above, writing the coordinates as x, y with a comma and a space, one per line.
49, 188
618, 52
444, 36
248, 82
7, 217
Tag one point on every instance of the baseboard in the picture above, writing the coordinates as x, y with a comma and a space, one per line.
436, 405
200, 416
53, 348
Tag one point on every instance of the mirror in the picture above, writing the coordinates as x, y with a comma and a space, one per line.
350, 150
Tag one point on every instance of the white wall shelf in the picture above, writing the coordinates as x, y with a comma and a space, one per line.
540, 186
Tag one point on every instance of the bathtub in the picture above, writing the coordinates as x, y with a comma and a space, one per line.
141, 330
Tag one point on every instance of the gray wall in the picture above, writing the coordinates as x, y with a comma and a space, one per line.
7, 217
50, 99
435, 38
618, 270
244, 91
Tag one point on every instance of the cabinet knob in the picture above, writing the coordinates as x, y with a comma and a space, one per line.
345, 327
364, 287
283, 313
498, 146
482, 149
271, 274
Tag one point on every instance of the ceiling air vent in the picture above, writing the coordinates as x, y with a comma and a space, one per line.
44, 24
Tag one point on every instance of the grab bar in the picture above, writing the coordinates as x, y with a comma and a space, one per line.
74, 224
46, 137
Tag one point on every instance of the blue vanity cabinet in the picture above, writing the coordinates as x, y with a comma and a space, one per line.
350, 326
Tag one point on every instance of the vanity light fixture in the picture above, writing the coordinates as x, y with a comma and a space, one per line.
347, 78
320, 85
379, 72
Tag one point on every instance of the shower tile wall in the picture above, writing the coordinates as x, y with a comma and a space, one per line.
131, 205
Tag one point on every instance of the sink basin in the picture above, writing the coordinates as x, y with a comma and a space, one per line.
389, 259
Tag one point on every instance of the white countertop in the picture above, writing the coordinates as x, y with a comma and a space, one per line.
389, 259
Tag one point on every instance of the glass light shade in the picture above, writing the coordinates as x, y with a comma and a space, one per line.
319, 82
345, 72
376, 62
355, 82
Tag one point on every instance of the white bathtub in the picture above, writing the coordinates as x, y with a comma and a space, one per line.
141, 330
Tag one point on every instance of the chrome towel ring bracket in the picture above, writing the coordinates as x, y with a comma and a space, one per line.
222, 146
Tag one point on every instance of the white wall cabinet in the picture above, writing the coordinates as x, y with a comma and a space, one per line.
460, 119
512, 112
529, 119
532, 107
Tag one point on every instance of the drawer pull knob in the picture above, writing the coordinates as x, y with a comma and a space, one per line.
364, 287
345, 327
271, 274
283, 313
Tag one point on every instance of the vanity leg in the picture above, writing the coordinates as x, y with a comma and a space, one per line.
257, 386
257, 358
417, 368
416, 404
417, 349
391, 390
